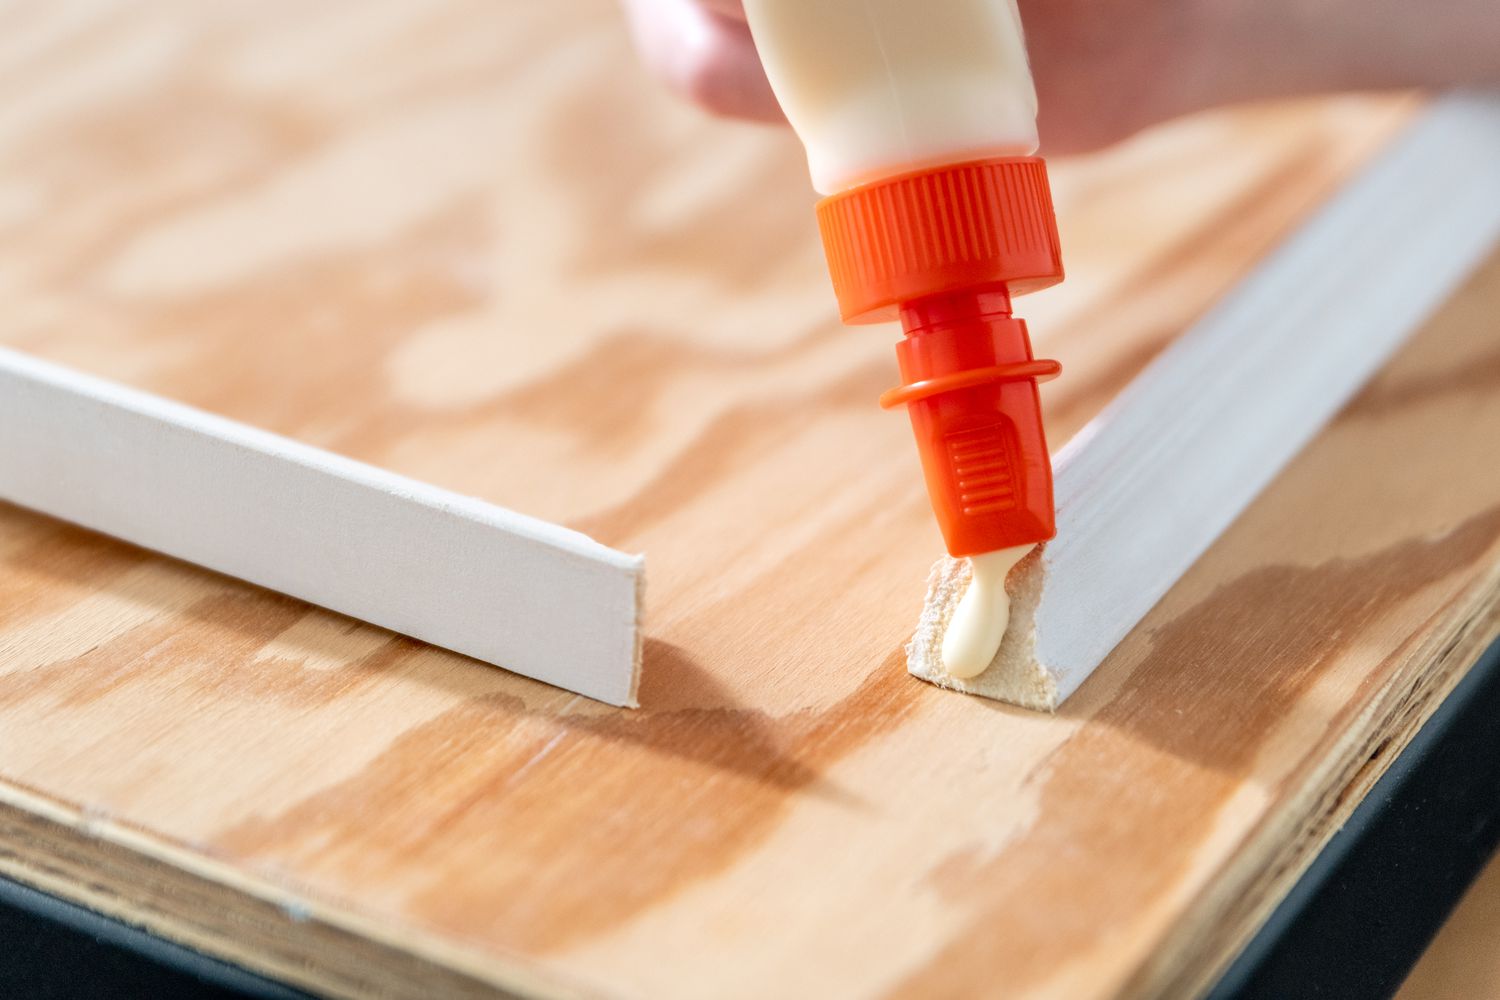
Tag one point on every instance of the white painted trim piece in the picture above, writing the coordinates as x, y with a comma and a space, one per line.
1149, 484
450, 570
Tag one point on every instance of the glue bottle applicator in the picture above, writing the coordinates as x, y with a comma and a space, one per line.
919, 120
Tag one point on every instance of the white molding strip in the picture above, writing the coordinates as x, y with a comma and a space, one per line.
450, 570
1149, 484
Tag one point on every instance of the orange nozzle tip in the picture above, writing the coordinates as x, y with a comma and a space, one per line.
985, 458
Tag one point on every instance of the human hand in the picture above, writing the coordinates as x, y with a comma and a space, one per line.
1105, 70
1098, 78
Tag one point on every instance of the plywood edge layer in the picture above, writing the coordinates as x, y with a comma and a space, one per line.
1146, 487
1244, 894
454, 571
212, 907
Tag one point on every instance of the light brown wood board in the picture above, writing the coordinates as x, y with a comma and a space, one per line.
462, 240
1463, 961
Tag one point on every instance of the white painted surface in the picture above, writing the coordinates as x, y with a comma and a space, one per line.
451, 570
1152, 481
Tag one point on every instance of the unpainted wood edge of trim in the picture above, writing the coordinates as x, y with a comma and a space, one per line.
638, 652
1015, 676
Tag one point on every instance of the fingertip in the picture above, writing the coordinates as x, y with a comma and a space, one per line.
722, 72
707, 56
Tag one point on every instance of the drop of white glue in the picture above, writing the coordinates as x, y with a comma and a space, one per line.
979, 621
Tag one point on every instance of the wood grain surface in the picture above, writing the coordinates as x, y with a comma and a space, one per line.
471, 243
1463, 961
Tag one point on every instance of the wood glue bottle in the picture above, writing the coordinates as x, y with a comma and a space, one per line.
919, 119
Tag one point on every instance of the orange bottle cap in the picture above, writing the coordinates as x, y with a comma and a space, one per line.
945, 229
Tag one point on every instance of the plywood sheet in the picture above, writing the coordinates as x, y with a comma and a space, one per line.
470, 243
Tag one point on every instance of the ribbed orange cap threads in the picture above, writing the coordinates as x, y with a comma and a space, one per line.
948, 229
944, 250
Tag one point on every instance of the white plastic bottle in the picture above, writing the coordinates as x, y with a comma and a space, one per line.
875, 87
919, 119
